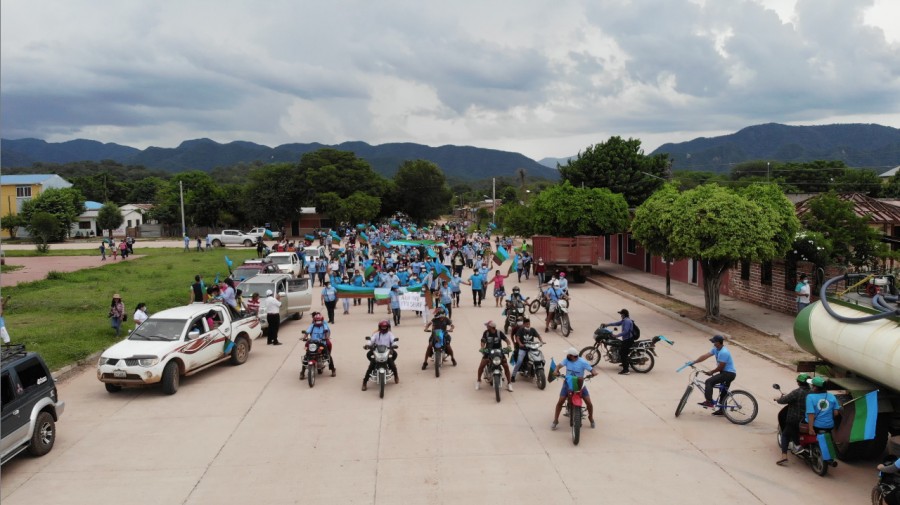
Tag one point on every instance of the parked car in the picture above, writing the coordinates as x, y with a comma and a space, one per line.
175, 342
31, 406
287, 262
261, 232
231, 237
251, 268
296, 295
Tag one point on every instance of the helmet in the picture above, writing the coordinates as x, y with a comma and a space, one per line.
516, 290
318, 320
384, 325
802, 378
571, 351
562, 275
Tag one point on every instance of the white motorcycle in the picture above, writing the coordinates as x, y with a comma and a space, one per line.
560, 319
382, 372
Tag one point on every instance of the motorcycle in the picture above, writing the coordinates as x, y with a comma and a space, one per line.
575, 407
382, 373
514, 312
808, 450
560, 318
315, 360
533, 367
493, 372
642, 355
437, 349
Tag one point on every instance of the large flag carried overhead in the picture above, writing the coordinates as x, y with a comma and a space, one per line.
500, 255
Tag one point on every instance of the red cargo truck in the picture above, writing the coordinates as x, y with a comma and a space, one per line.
573, 255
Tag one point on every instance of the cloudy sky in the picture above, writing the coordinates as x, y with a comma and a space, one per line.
544, 78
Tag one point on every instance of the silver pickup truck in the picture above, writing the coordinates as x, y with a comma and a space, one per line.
296, 295
231, 237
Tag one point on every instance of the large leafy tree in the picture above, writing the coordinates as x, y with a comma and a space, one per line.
203, 200
341, 172
516, 219
853, 241
64, 204
109, 217
274, 194
565, 210
421, 190
652, 226
718, 227
619, 165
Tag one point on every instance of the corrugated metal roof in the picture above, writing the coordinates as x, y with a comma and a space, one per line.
25, 178
892, 172
879, 211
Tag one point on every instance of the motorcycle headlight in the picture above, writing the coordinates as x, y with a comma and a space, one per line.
148, 362
102, 361
496, 360
313, 347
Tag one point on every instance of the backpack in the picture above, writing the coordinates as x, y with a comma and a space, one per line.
635, 331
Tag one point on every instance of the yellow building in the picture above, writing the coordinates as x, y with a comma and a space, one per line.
17, 189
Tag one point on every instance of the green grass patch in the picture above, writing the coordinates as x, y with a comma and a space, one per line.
10, 268
31, 253
64, 317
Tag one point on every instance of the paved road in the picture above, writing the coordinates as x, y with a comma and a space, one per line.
256, 434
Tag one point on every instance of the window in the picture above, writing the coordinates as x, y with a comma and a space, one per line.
31, 374
7, 393
790, 275
129, 223
84, 225
23, 191
745, 270
766, 273
631, 245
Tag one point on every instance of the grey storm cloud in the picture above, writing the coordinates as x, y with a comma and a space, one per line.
521, 75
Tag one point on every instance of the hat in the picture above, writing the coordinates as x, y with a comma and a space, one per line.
818, 382
268, 292
117, 295
623, 312
802, 377
571, 351
717, 339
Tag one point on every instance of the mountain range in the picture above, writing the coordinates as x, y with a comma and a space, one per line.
858, 145
463, 162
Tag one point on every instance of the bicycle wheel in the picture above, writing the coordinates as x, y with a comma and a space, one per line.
684, 400
564, 325
534, 306
591, 354
740, 407
576, 425
641, 361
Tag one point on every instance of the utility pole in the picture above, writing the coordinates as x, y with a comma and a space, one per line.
494, 200
181, 192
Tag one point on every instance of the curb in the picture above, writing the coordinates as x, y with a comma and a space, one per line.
690, 322
70, 370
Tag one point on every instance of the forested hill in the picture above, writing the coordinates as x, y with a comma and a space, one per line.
462, 162
858, 145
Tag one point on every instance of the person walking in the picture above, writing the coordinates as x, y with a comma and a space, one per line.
329, 300
273, 317
187, 243
117, 313
102, 251
395, 304
803, 291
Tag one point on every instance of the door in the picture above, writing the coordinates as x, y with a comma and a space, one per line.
221, 327
692, 271
607, 247
620, 250
299, 296
15, 419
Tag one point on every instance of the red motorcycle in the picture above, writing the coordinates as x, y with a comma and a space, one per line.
316, 359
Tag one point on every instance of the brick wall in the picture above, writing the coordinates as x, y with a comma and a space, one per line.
775, 295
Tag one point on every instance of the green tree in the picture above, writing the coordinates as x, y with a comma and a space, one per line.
719, 227
566, 211
361, 208
44, 228
690, 179
892, 188
274, 194
342, 172
515, 219
421, 190
65, 204
109, 217
619, 165
144, 190
12, 222
855, 180
652, 226
852, 239
203, 200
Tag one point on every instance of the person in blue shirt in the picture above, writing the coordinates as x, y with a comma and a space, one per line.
575, 366
563, 282
395, 304
723, 373
318, 332
553, 295
626, 337
329, 300
822, 407
477, 283
311, 269
455, 289
372, 282
358, 281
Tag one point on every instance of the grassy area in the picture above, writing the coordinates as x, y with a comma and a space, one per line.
31, 253
10, 268
64, 318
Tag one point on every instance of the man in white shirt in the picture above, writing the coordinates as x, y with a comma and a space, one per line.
272, 305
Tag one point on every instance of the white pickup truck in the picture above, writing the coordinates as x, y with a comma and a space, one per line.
231, 237
175, 342
261, 232
287, 262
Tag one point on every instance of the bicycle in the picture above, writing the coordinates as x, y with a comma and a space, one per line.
737, 405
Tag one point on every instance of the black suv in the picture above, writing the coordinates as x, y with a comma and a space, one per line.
30, 404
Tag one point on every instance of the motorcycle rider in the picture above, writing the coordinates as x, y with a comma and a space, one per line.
440, 321
724, 371
790, 424
320, 333
492, 339
626, 337
382, 336
553, 294
524, 336
575, 366
822, 408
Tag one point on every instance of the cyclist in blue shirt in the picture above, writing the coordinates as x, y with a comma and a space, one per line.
723, 373
575, 366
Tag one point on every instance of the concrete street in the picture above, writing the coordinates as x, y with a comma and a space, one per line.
257, 434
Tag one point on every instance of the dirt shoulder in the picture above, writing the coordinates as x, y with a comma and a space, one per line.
748, 337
